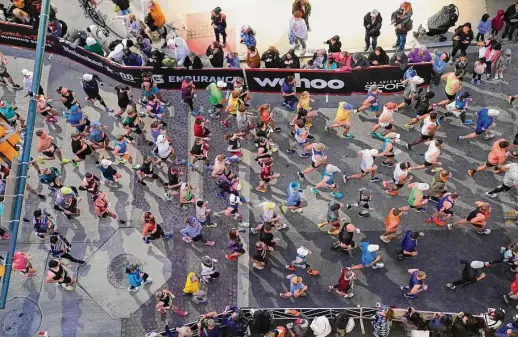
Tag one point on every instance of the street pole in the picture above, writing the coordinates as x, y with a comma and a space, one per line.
21, 177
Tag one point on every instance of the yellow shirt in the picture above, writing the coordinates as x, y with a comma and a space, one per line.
342, 116
233, 104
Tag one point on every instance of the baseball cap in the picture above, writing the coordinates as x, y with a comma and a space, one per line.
477, 264
90, 41
88, 77
2, 104
373, 248
95, 124
106, 162
161, 138
221, 84
26, 72
302, 251
423, 186
330, 168
493, 112
373, 152
347, 106
65, 190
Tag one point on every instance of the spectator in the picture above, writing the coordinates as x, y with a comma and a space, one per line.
335, 45
252, 57
298, 32
248, 36
497, 23
144, 44
440, 61
215, 54
271, 57
177, 50
21, 17
372, 23
304, 7
99, 34
483, 27
117, 49
461, 40
123, 6
232, 60
382, 321
290, 60
192, 61
503, 61
155, 20
359, 61
318, 61
492, 53
401, 19
343, 60
55, 27
418, 55
93, 46
131, 59
511, 21
130, 21
27, 7
219, 24
400, 60
378, 57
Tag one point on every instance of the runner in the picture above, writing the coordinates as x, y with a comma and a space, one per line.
431, 156
81, 149
409, 244
366, 167
293, 199
328, 179
345, 284
174, 183
363, 199
137, 278
301, 135
416, 199
59, 248
371, 102
385, 121
391, 225
428, 130
199, 152
192, 232
318, 158
444, 209
165, 302
76, 118
497, 156
332, 217
510, 180
240, 86
399, 178
459, 107
477, 218
304, 105
98, 137
300, 262
345, 238
438, 185
152, 230
369, 257
90, 85
453, 86
233, 103
288, 93
423, 107
124, 99
131, 124
188, 95
58, 274
68, 97
216, 99
121, 151
42, 223
90, 184
485, 122
410, 91
102, 208
235, 246
203, 214
232, 208
415, 284
297, 288
387, 148
469, 273
150, 87
342, 119
46, 110
4, 75
266, 116
21, 262
155, 109
48, 148
109, 173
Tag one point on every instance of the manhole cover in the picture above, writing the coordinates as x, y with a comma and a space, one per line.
14, 322
117, 270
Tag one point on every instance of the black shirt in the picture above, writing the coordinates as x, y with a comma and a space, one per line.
260, 255
122, 95
267, 238
146, 168
345, 237
469, 273
173, 178
76, 145
69, 99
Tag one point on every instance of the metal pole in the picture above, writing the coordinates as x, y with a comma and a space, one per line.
21, 178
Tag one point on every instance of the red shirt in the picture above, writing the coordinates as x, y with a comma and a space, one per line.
199, 130
514, 285
266, 171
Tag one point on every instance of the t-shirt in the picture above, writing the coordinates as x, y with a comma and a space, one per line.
122, 97
431, 152
497, 155
452, 84
484, 121
511, 175
342, 115
267, 238
198, 128
200, 214
331, 215
391, 221
266, 171
287, 88
295, 287
172, 178
426, 124
367, 160
414, 280
215, 94
469, 273
410, 89
76, 117
96, 135
108, 172
146, 168
76, 145
413, 195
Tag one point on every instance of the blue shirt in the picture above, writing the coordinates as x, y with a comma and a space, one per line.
287, 88
293, 196
408, 244
367, 257
483, 26
484, 121
414, 281
295, 287
108, 172
96, 135
439, 65
75, 115
460, 103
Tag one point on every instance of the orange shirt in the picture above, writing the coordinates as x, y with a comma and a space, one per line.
497, 155
157, 15
391, 221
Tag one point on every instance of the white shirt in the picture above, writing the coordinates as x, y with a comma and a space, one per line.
426, 123
299, 28
27, 83
367, 160
200, 214
163, 149
432, 150
511, 175
206, 271
398, 172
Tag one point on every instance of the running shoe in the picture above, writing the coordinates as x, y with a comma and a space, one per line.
407, 127
65, 161
17, 87
290, 267
450, 285
326, 128
468, 122
491, 195
385, 164
243, 224
130, 289
212, 225
489, 136
345, 179
374, 180
485, 231
74, 164
314, 190
471, 173
420, 209
305, 155
168, 236
347, 135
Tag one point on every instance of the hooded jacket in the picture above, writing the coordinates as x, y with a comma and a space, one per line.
372, 28
382, 58
134, 278
343, 62
294, 65
497, 23
271, 58
336, 47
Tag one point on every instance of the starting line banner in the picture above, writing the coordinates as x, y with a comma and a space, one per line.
261, 80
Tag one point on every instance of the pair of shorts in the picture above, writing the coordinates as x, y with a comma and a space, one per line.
266, 180
390, 155
479, 132
81, 128
218, 106
93, 95
199, 157
313, 165
407, 101
374, 107
427, 164
488, 164
82, 155
101, 140
5, 74
66, 280
426, 137
50, 154
450, 97
388, 126
448, 211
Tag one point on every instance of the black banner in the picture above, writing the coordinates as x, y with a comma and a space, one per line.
259, 80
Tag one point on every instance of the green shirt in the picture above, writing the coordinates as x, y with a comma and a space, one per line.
215, 94
95, 48
413, 194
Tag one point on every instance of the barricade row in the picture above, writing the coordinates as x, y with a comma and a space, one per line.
388, 78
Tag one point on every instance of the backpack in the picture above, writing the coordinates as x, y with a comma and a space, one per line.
261, 322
